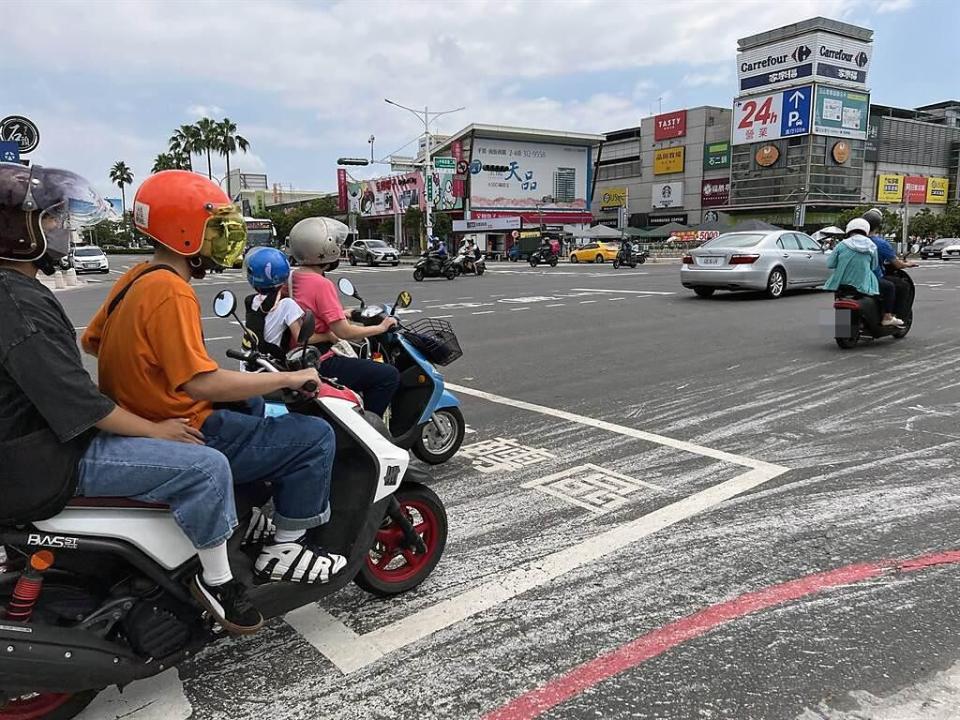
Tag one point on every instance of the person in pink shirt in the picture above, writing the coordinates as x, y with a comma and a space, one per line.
315, 243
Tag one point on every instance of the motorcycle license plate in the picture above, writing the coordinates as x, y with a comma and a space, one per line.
709, 261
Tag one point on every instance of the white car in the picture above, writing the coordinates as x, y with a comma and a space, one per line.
90, 258
951, 250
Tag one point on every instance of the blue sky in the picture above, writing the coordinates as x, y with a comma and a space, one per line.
305, 81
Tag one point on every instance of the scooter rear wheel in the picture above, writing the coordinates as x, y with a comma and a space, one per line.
392, 568
47, 706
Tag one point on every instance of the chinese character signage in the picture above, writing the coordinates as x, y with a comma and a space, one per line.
516, 175
612, 198
841, 113
759, 118
890, 188
341, 189
716, 156
670, 125
915, 189
668, 160
715, 192
817, 56
667, 195
871, 150
937, 188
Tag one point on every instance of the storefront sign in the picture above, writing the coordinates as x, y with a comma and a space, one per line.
890, 188
841, 113
840, 152
613, 198
21, 130
715, 192
871, 150
937, 189
341, 189
772, 116
667, 195
460, 179
670, 125
661, 220
492, 225
668, 160
816, 55
716, 156
767, 155
915, 189
514, 175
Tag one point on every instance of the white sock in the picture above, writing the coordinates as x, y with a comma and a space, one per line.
216, 566
287, 536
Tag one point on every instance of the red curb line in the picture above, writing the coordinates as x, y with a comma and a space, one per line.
583, 677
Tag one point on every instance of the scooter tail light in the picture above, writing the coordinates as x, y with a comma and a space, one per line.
743, 259
688, 259
846, 305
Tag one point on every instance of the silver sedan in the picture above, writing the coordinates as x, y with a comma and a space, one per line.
769, 260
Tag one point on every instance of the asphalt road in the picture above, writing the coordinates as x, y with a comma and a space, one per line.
667, 507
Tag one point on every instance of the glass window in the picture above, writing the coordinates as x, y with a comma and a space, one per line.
788, 241
735, 240
807, 242
87, 252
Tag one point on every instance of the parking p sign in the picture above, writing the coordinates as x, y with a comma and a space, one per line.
760, 118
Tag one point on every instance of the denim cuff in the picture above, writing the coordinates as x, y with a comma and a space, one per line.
285, 523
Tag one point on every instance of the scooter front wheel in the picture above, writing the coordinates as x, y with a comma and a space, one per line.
441, 437
418, 275
391, 566
46, 706
616, 264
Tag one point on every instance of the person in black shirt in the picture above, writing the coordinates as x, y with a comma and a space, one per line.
53, 416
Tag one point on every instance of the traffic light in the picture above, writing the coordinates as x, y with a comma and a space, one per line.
352, 161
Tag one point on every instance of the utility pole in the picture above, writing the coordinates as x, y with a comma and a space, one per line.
425, 118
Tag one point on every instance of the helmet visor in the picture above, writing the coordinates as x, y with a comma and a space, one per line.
68, 203
224, 236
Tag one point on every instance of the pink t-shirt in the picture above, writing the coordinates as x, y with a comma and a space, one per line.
315, 293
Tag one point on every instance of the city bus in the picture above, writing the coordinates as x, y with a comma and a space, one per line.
260, 233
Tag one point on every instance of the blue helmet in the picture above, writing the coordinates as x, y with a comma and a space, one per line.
267, 268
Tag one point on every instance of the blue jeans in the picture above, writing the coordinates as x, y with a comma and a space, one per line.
376, 381
192, 479
293, 452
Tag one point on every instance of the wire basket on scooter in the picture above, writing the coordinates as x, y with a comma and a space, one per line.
435, 339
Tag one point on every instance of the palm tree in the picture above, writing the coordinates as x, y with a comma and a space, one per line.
230, 142
121, 175
209, 139
184, 142
165, 161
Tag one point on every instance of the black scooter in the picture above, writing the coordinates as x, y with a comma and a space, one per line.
543, 254
630, 258
433, 264
857, 315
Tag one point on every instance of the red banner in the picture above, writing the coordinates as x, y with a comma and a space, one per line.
342, 189
459, 189
533, 218
670, 125
915, 189
715, 192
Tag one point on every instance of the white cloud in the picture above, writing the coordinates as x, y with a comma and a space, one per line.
888, 6
720, 77
201, 111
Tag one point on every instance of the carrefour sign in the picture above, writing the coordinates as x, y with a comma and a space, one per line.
812, 56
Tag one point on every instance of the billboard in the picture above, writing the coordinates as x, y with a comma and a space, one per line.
871, 150
915, 189
670, 125
771, 116
667, 195
841, 113
715, 192
517, 175
385, 196
492, 225
815, 56
668, 160
937, 189
716, 156
613, 197
890, 188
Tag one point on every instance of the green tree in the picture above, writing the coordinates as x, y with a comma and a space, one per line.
925, 224
413, 219
121, 176
284, 220
165, 161
891, 220
230, 142
184, 142
385, 228
442, 225
950, 221
209, 140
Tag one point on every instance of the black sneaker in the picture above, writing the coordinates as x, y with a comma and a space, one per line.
229, 605
298, 561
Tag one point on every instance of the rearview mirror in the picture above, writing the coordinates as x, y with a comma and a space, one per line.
404, 299
307, 327
224, 304
346, 287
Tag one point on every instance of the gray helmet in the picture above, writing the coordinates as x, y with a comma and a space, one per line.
317, 240
874, 216
40, 208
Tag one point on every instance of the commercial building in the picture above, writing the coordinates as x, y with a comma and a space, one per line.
255, 194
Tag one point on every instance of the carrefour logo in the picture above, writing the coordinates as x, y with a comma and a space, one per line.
801, 53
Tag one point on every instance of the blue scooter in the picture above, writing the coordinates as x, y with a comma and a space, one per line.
423, 415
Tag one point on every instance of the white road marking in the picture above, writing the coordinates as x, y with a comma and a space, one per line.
518, 309
160, 697
441, 317
484, 312
631, 292
224, 337
351, 652
587, 302
557, 305
618, 298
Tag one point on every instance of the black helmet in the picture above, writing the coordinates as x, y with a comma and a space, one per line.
39, 207
874, 216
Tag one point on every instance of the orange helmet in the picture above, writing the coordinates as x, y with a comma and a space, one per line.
191, 215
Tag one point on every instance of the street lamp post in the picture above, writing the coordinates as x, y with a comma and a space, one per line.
425, 118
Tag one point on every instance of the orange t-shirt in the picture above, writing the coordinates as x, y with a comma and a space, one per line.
150, 346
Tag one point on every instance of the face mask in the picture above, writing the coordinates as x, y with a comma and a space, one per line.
224, 236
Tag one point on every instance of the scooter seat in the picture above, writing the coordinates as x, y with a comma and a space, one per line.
115, 502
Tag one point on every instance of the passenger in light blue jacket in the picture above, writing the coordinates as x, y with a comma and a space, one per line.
854, 263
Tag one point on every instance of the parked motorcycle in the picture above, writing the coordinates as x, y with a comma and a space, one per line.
97, 596
432, 264
423, 415
857, 315
543, 255
469, 265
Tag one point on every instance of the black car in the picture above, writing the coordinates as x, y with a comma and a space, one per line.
934, 251
372, 252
